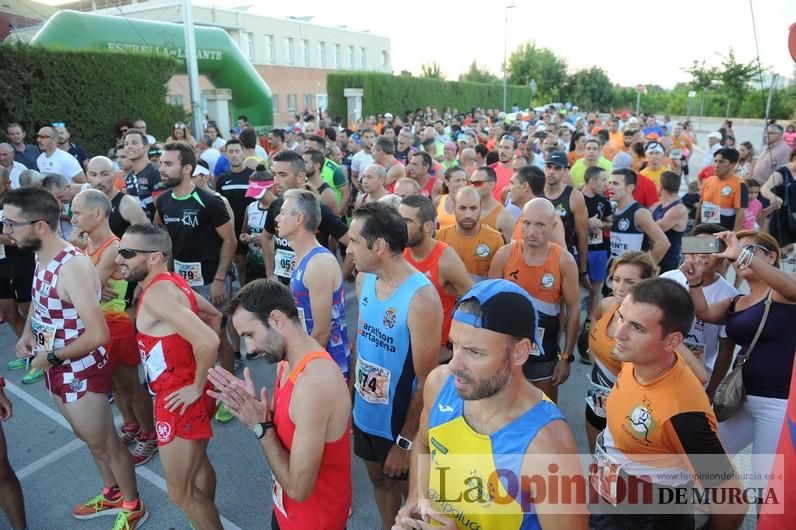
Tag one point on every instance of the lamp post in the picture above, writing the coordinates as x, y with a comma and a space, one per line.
505, 45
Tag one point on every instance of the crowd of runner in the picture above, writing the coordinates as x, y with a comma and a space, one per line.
474, 240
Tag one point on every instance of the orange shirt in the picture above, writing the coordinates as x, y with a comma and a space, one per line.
720, 197
430, 267
491, 219
444, 219
542, 282
601, 345
573, 157
475, 251
681, 142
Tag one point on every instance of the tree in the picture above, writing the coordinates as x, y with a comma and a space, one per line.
590, 89
734, 78
476, 74
703, 78
432, 71
540, 64
406, 73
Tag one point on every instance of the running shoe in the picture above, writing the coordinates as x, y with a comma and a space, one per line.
131, 519
129, 433
34, 375
16, 364
144, 449
223, 415
98, 506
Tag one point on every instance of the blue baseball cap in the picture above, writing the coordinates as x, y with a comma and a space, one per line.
505, 308
357, 138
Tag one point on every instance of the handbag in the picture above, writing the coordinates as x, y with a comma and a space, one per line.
730, 394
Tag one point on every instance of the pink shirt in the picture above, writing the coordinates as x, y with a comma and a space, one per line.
750, 215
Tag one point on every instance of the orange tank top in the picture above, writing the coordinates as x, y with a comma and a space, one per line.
491, 219
430, 267
602, 345
542, 282
444, 219
97, 255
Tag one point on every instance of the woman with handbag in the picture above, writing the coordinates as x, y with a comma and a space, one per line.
751, 400
780, 189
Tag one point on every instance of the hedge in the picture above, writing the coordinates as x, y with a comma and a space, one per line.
388, 93
89, 91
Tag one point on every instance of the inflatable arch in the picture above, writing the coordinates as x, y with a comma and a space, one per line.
218, 57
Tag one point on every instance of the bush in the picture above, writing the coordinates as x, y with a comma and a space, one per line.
398, 94
89, 91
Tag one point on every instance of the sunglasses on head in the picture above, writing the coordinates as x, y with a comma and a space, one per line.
128, 253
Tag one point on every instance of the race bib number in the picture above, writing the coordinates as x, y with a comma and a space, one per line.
595, 237
276, 495
284, 262
535, 351
373, 382
711, 213
191, 272
43, 335
596, 397
154, 361
606, 474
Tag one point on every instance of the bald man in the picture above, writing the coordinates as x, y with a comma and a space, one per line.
405, 187
475, 243
125, 209
550, 275
372, 184
54, 160
13, 167
468, 161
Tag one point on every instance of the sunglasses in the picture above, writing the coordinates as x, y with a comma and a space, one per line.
179, 126
44, 136
128, 253
479, 183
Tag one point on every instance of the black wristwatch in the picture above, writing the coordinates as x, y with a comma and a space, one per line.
53, 360
260, 428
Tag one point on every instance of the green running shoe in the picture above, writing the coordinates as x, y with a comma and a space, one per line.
34, 375
16, 364
223, 415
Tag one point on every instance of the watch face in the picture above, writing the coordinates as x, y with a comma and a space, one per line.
258, 430
403, 443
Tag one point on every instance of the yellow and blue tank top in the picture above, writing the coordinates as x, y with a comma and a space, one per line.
473, 477
385, 375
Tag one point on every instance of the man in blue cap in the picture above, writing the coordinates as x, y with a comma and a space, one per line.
481, 419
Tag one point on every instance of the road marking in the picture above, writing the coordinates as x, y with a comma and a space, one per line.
44, 461
146, 474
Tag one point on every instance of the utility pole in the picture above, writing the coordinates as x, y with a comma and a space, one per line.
505, 46
193, 69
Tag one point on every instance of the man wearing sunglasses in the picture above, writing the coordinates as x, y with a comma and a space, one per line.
54, 160
493, 214
64, 335
178, 343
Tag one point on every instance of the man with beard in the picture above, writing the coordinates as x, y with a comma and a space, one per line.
479, 410
178, 341
64, 334
313, 164
202, 235
493, 213
435, 259
503, 168
304, 430
403, 151
400, 318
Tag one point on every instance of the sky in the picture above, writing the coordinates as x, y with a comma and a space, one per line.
634, 42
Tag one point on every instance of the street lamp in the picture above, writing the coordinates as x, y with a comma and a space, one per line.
505, 45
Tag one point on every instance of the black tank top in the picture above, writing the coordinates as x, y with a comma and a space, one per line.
625, 234
671, 260
118, 223
561, 204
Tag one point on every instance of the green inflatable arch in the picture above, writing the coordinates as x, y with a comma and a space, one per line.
218, 57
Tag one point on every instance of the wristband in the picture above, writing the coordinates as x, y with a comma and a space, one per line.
696, 285
219, 279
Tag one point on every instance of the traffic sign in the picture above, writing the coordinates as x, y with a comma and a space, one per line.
640, 88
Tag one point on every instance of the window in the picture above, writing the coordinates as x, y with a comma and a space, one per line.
351, 57
275, 102
337, 56
363, 63
385, 59
270, 56
176, 100
322, 54
291, 103
289, 57
247, 44
305, 52
307, 101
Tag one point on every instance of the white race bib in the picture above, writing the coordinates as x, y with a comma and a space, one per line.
606, 475
535, 351
711, 213
373, 382
43, 335
191, 272
276, 495
284, 262
154, 361
596, 397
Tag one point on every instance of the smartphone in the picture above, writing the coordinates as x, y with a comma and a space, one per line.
702, 245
